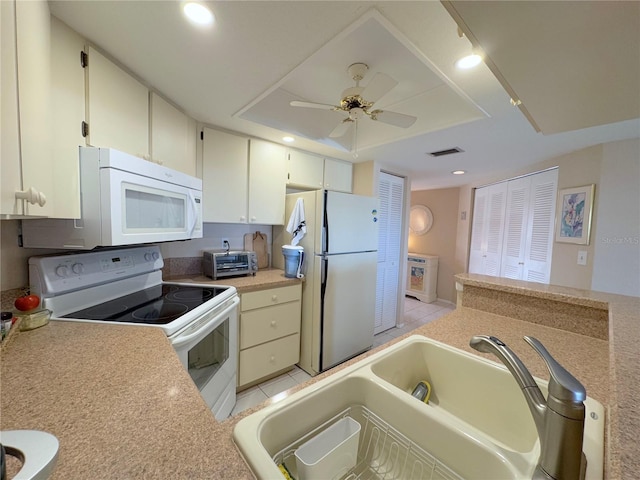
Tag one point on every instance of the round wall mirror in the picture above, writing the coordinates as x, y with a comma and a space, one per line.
420, 219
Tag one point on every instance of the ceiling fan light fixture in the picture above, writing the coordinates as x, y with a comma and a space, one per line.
198, 13
469, 61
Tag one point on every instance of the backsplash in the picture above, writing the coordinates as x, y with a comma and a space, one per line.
182, 266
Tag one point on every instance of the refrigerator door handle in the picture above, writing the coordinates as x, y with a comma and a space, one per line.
325, 227
324, 266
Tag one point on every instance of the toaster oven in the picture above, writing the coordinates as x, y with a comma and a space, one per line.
220, 264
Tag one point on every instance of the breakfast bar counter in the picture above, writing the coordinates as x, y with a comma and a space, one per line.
122, 406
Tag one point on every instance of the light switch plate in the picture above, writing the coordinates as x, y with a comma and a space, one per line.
582, 257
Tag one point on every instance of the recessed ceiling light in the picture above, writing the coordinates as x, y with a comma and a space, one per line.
198, 13
458, 172
469, 61
288, 139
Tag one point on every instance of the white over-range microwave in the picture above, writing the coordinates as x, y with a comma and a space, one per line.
125, 200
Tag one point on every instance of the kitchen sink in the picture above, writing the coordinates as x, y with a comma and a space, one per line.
475, 425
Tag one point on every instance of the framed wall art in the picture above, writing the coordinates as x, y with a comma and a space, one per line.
575, 207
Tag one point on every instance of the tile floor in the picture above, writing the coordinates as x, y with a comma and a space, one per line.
416, 314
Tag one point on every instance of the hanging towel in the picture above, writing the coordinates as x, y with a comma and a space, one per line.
297, 225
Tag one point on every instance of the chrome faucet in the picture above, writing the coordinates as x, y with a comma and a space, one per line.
559, 420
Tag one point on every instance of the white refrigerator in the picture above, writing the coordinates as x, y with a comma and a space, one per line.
339, 289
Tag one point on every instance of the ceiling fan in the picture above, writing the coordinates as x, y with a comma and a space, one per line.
358, 101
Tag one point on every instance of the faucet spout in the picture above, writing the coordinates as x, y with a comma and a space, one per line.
559, 418
530, 390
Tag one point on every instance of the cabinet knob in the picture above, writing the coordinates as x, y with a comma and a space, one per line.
272, 359
274, 298
273, 323
253, 219
243, 218
32, 196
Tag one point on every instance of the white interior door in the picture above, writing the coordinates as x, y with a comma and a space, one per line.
391, 195
539, 246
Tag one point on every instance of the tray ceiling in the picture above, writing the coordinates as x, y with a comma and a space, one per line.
422, 90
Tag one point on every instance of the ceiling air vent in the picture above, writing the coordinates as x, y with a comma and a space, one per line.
448, 151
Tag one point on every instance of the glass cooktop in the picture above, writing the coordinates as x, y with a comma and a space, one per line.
157, 305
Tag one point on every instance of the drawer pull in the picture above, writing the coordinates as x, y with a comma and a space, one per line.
274, 298
273, 323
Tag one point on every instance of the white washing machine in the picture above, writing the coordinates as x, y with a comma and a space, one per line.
422, 271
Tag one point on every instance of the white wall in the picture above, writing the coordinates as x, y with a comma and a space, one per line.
616, 238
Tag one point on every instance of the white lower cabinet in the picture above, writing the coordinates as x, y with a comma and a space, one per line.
269, 332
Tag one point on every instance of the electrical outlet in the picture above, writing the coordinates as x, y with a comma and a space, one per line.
225, 243
582, 257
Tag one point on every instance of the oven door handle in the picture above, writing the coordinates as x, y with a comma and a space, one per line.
180, 339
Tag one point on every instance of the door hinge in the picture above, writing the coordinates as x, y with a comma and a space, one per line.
85, 129
84, 59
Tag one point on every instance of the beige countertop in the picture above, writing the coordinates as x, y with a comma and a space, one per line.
264, 278
122, 406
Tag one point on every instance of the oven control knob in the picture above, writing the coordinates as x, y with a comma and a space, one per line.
62, 270
77, 268
151, 257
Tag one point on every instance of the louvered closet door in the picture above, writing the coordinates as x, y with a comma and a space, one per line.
391, 194
539, 237
476, 252
515, 228
485, 256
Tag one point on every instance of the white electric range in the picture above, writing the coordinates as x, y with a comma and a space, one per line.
124, 286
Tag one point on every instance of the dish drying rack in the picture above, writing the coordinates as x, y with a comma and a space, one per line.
383, 452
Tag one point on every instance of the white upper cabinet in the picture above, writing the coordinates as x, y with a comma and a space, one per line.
27, 164
68, 113
338, 175
10, 144
309, 171
118, 113
267, 182
173, 136
243, 181
225, 171
305, 170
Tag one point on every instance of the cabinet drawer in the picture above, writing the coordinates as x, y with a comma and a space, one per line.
266, 324
272, 296
262, 360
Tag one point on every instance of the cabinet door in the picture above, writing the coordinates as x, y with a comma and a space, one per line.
267, 182
173, 136
34, 82
10, 144
305, 170
338, 175
118, 108
224, 177
68, 112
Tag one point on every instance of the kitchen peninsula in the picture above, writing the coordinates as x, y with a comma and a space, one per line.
121, 404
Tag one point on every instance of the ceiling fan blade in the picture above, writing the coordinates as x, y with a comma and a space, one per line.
321, 106
393, 118
341, 128
378, 87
